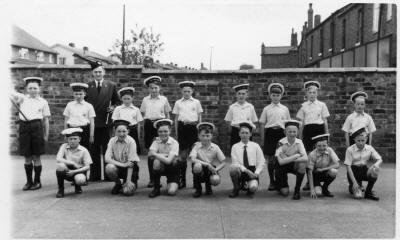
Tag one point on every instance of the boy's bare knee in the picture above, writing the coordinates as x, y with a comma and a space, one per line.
197, 168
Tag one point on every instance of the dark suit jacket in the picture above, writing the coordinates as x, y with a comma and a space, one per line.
101, 101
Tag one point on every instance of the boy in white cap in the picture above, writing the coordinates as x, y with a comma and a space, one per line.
313, 115
34, 113
247, 162
323, 164
272, 128
187, 112
240, 111
362, 164
129, 112
165, 152
359, 118
80, 114
207, 160
73, 161
154, 107
291, 158
122, 159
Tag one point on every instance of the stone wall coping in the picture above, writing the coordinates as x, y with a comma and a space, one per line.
252, 71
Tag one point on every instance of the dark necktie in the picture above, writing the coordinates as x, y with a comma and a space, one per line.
98, 87
245, 157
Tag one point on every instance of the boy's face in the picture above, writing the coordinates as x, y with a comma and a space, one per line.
121, 131
187, 92
79, 95
154, 89
127, 99
359, 105
241, 95
73, 141
291, 131
163, 132
321, 146
312, 93
244, 134
275, 97
205, 137
98, 73
33, 88
361, 140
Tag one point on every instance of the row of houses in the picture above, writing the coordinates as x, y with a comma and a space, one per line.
356, 35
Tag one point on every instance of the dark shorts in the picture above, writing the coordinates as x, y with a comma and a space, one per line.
123, 173
85, 135
310, 131
31, 138
171, 172
133, 132
281, 172
149, 132
244, 177
204, 175
271, 139
321, 177
360, 173
71, 178
187, 135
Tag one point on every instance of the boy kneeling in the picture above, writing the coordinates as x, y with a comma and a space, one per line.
73, 161
323, 164
247, 162
164, 151
205, 155
292, 158
122, 160
363, 164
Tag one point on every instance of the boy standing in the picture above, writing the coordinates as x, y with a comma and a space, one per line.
73, 161
34, 113
187, 112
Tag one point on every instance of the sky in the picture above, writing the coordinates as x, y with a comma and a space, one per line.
191, 29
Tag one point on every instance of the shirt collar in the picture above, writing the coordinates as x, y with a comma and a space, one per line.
130, 106
323, 153
191, 99
208, 148
239, 105
101, 82
77, 148
286, 141
358, 114
169, 141
158, 96
124, 140
82, 102
37, 97
315, 102
359, 150
275, 105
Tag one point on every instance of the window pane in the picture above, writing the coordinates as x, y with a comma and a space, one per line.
360, 57
337, 61
348, 59
384, 55
375, 17
389, 12
371, 54
324, 63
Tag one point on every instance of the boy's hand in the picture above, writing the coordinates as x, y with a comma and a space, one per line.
110, 109
91, 139
129, 164
318, 170
70, 173
212, 169
313, 194
46, 138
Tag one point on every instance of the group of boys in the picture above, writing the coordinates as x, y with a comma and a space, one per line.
290, 146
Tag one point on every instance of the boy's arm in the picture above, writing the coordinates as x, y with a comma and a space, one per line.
46, 128
129, 175
260, 161
65, 122
326, 125
176, 125
219, 167
91, 136
311, 181
347, 137
200, 117
351, 175
370, 139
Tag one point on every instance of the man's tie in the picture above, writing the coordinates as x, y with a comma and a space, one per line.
98, 87
245, 157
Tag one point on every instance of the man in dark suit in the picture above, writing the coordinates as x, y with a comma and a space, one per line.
103, 95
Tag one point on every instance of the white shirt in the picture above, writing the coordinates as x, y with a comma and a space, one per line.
356, 121
187, 109
128, 113
97, 83
238, 113
211, 154
155, 108
79, 155
286, 149
33, 108
79, 114
167, 148
273, 115
254, 153
313, 112
366, 156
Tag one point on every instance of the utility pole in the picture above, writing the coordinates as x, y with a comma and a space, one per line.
123, 38
211, 57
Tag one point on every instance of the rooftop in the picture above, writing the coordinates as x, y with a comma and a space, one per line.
89, 54
278, 50
22, 38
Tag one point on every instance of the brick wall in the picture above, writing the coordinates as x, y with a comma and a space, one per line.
214, 90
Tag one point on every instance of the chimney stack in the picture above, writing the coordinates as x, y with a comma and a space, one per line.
317, 20
71, 44
85, 50
310, 17
293, 39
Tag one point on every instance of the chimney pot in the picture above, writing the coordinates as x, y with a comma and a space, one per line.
310, 17
317, 20
71, 44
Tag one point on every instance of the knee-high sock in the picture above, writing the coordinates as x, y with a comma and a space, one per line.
38, 171
299, 180
328, 181
28, 172
271, 169
60, 179
150, 161
371, 182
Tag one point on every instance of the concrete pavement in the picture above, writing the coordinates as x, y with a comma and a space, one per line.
98, 214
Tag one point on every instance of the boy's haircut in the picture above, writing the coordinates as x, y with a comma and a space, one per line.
206, 130
245, 125
120, 122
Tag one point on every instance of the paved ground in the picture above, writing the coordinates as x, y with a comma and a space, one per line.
97, 214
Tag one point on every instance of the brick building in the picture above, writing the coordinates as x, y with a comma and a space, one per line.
357, 35
280, 56
66, 55
27, 49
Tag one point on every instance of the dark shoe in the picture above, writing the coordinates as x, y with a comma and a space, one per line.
116, 189
306, 187
209, 191
60, 193
351, 190
271, 187
36, 185
371, 195
234, 193
27, 186
182, 184
244, 186
296, 196
249, 194
151, 184
326, 192
154, 193
197, 194
78, 189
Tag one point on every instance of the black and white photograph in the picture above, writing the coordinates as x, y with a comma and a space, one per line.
134, 119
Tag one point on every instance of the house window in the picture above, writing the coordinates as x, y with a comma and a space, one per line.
61, 60
312, 46
344, 34
375, 18
51, 58
360, 26
332, 36
321, 40
23, 53
389, 12
40, 56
